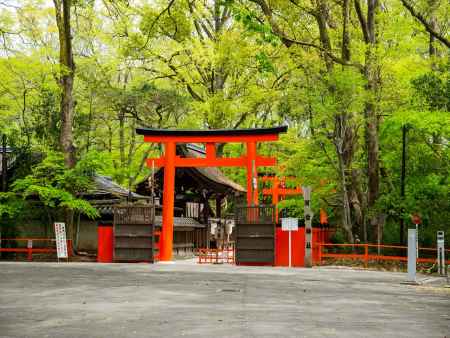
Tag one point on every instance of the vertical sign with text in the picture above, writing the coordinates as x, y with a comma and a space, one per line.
308, 225
61, 242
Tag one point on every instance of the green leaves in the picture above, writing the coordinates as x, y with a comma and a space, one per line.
249, 20
10, 205
58, 187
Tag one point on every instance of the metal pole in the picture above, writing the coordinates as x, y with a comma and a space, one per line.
402, 182
290, 250
412, 255
417, 241
441, 252
4, 163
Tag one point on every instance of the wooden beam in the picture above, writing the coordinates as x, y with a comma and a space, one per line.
283, 191
189, 162
211, 138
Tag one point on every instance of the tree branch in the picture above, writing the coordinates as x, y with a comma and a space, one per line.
362, 21
288, 42
428, 26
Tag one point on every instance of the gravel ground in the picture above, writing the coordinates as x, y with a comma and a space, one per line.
186, 299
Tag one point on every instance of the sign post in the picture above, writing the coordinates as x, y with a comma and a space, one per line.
61, 242
441, 253
308, 226
412, 241
289, 224
416, 219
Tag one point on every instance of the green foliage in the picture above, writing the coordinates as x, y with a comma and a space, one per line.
10, 205
250, 21
433, 89
56, 186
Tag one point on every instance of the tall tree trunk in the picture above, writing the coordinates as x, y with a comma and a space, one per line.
91, 112
433, 6
345, 30
122, 138
372, 74
340, 138
320, 15
342, 133
66, 79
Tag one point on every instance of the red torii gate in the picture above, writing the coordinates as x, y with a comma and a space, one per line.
278, 189
170, 161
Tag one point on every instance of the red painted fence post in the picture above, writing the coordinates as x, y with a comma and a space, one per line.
366, 255
30, 249
320, 253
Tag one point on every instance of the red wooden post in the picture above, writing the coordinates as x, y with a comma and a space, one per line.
69, 248
166, 238
252, 189
275, 196
210, 150
320, 253
366, 255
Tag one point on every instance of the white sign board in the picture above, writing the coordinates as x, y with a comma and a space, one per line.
289, 224
61, 242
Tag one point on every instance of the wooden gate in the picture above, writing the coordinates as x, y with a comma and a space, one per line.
255, 235
134, 233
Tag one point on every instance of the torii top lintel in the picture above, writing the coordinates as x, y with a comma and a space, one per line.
211, 135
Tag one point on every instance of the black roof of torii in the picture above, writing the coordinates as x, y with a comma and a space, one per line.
211, 132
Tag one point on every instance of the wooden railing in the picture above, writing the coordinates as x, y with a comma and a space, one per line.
30, 249
216, 256
367, 256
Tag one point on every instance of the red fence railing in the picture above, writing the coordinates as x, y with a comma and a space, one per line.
364, 252
216, 256
29, 248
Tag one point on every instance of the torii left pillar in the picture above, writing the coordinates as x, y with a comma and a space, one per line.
170, 161
166, 240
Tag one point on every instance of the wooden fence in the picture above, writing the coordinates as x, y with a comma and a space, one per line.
29, 248
365, 253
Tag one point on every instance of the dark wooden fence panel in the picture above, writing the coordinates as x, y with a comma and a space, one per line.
134, 233
255, 235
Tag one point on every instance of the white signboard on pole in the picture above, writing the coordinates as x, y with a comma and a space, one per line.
61, 242
289, 224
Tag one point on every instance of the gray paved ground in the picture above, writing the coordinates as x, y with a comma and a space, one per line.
120, 300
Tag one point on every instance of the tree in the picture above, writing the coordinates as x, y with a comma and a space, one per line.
66, 79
